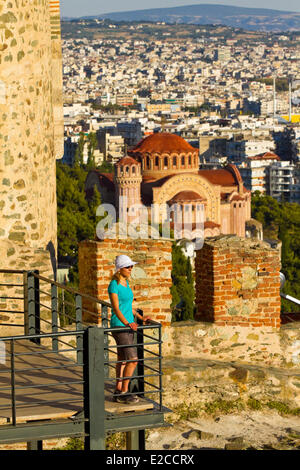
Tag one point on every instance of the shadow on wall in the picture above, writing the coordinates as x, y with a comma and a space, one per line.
51, 249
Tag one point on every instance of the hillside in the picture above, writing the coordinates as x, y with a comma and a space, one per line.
238, 17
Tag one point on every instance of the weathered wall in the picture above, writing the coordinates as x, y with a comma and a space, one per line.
31, 129
150, 278
204, 362
249, 345
238, 282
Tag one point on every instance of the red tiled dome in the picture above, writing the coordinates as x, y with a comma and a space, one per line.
127, 161
163, 143
187, 196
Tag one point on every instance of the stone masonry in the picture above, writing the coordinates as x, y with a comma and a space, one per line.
31, 135
238, 282
150, 278
31, 126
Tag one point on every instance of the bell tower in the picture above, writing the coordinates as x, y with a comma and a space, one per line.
128, 179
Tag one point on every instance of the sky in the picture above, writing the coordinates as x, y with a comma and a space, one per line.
76, 8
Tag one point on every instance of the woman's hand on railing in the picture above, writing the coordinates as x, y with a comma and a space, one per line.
133, 326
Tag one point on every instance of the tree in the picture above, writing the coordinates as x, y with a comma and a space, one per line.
92, 145
281, 221
182, 290
76, 217
78, 159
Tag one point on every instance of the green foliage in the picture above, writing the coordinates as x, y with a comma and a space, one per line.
116, 441
78, 159
182, 290
283, 408
74, 443
92, 145
224, 406
281, 221
282, 84
76, 217
106, 167
184, 412
254, 404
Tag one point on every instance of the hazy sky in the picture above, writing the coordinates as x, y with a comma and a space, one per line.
94, 7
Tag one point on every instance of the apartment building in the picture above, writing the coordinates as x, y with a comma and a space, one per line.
284, 181
255, 171
238, 150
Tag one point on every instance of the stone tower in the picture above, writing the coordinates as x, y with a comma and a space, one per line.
128, 179
31, 132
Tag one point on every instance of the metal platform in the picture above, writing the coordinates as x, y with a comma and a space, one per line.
60, 383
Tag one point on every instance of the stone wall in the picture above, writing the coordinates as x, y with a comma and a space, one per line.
248, 345
150, 278
238, 282
31, 130
204, 363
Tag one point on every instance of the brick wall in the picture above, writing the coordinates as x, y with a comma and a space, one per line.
237, 282
150, 278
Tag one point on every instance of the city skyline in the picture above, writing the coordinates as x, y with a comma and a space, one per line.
76, 8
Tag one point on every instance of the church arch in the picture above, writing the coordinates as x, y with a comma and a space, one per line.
190, 182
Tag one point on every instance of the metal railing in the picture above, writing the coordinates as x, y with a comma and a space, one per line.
288, 317
78, 355
148, 380
19, 370
12, 303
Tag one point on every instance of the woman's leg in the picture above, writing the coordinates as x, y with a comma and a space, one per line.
128, 372
119, 374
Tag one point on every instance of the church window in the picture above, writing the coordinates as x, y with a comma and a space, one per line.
133, 170
156, 161
148, 163
190, 160
165, 163
127, 169
182, 161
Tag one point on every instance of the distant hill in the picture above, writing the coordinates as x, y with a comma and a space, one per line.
257, 19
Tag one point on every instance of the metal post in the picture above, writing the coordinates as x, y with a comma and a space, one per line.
160, 367
54, 312
25, 295
79, 338
104, 317
35, 445
37, 307
93, 370
32, 309
13, 384
135, 440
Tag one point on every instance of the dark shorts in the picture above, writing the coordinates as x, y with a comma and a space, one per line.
125, 338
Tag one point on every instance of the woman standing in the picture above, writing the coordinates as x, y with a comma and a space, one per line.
121, 297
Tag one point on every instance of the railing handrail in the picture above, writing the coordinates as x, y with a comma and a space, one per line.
42, 335
70, 289
12, 271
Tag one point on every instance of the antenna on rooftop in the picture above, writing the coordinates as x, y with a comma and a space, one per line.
290, 97
274, 95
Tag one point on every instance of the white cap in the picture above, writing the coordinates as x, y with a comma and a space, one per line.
122, 261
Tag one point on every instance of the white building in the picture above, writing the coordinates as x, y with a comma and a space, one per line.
284, 181
255, 171
238, 150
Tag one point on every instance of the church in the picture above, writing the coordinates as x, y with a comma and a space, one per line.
163, 168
